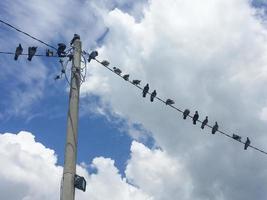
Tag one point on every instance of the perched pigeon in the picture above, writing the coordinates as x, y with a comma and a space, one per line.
105, 63
92, 55
236, 137
145, 90
215, 128
49, 53
247, 143
186, 113
195, 117
126, 77
204, 122
75, 37
18, 52
153, 95
61, 50
136, 82
117, 70
169, 102
31, 52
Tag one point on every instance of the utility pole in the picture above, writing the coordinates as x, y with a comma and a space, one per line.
67, 187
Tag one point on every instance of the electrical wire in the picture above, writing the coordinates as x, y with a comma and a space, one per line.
28, 34
25, 54
180, 110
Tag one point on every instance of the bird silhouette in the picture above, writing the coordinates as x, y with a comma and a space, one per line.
195, 117
236, 137
61, 50
92, 55
75, 37
117, 70
31, 52
186, 113
145, 90
153, 95
136, 82
169, 102
247, 143
126, 77
215, 128
18, 52
105, 63
204, 122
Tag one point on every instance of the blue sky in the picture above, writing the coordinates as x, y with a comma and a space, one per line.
137, 149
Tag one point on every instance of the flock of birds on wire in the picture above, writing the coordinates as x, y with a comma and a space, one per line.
61, 52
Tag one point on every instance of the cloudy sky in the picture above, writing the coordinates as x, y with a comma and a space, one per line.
208, 55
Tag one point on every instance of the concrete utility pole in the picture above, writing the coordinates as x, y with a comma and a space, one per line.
67, 187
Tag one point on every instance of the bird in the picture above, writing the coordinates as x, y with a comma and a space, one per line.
186, 113
75, 37
49, 53
153, 95
136, 82
61, 50
117, 70
145, 90
92, 55
195, 117
31, 52
105, 63
215, 128
247, 143
236, 137
18, 52
204, 122
126, 77
169, 102
57, 77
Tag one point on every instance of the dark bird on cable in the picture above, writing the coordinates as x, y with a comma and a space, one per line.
31, 52
186, 113
105, 63
61, 50
75, 37
49, 53
145, 90
18, 52
195, 117
169, 102
214, 128
204, 123
126, 77
117, 70
92, 55
236, 137
153, 95
247, 143
136, 82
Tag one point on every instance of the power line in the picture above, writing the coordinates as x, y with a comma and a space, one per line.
180, 110
28, 34
25, 54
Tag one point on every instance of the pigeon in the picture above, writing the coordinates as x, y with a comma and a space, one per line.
117, 70
204, 122
186, 113
105, 63
169, 102
215, 128
145, 90
31, 52
236, 137
247, 143
75, 37
92, 55
61, 50
153, 95
126, 77
49, 53
136, 82
195, 117
18, 52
